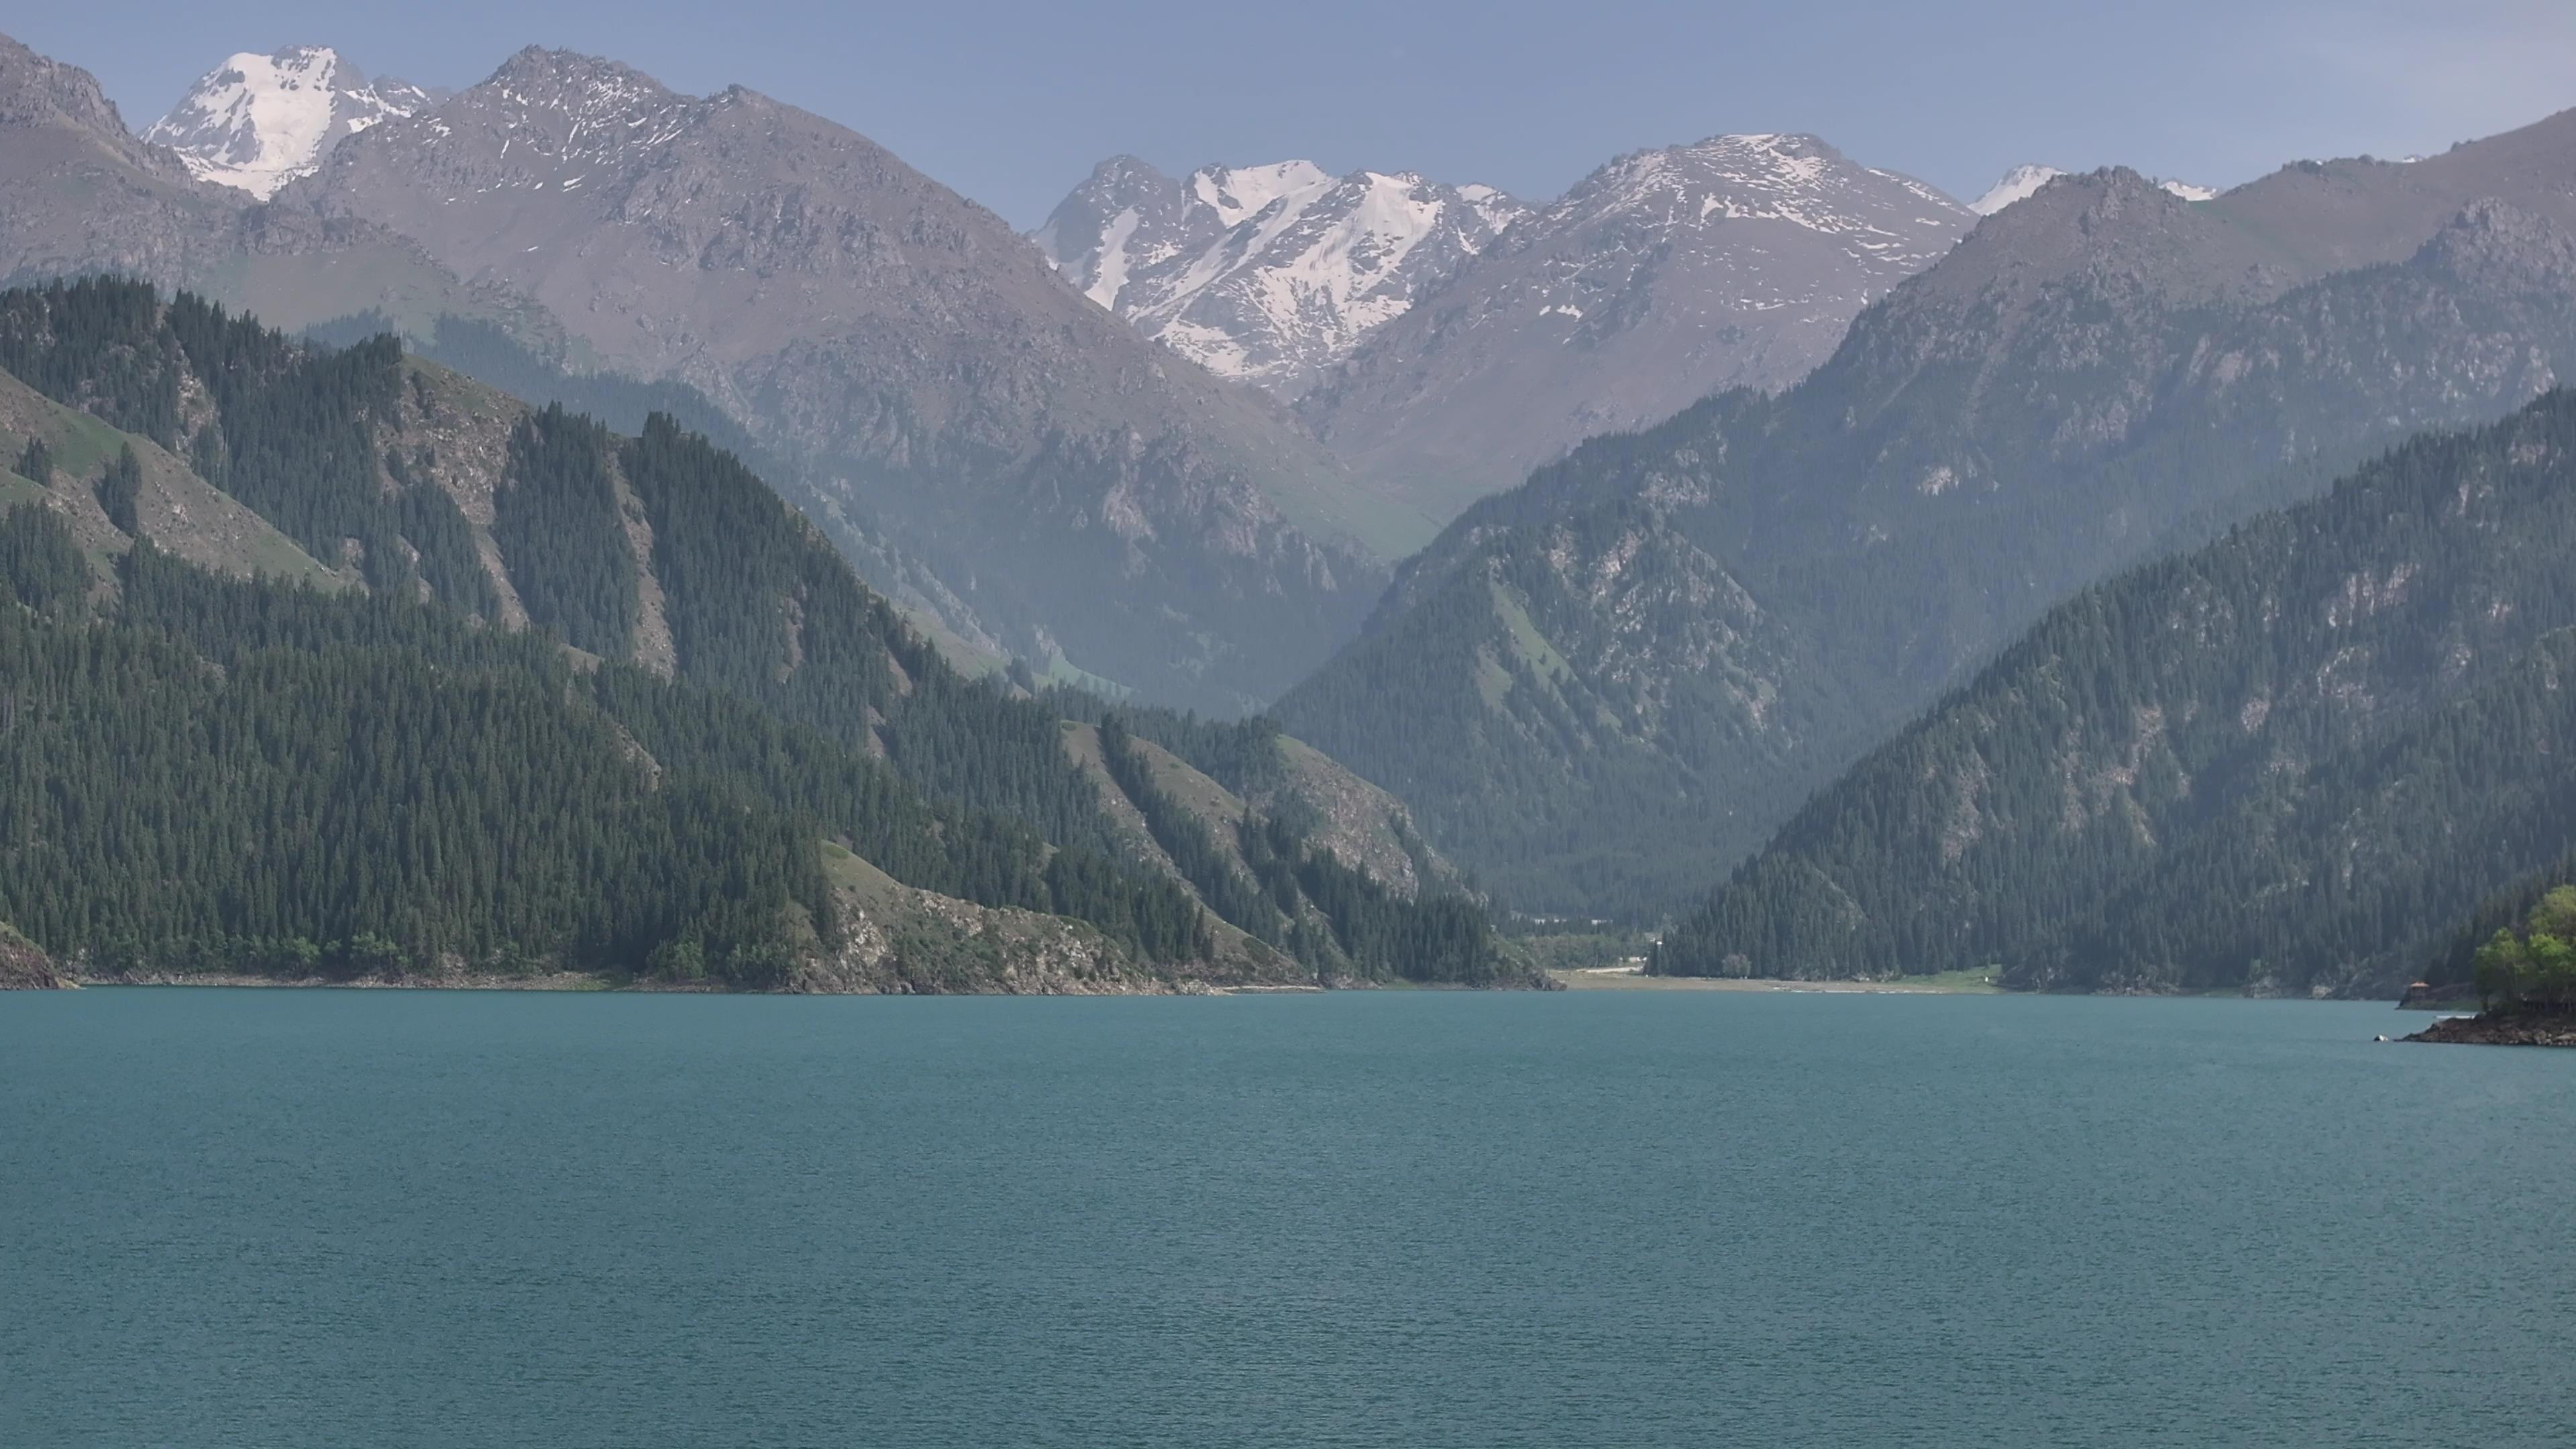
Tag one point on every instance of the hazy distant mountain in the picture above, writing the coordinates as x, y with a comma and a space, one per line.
259, 121
1665, 642
1662, 277
1268, 274
1089, 494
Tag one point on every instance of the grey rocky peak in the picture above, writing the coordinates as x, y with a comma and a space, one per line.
1664, 276
1267, 274
257, 122
1126, 213
41, 95
81, 193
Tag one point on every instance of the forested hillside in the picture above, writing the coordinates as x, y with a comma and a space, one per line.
2290, 761
712, 646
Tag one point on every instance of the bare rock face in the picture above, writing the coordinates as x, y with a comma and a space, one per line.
1170, 531
1663, 277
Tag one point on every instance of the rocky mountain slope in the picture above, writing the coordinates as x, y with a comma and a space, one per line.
2290, 761
256, 122
1106, 500
1662, 277
1266, 274
2099, 373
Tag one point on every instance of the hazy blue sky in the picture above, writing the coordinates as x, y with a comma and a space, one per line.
1012, 102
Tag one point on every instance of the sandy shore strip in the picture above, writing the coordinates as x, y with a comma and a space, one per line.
1632, 978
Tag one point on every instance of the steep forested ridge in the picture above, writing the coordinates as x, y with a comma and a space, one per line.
2289, 760
738, 696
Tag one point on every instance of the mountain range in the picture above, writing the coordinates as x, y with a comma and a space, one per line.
1444, 340
1601, 531
1665, 642
919, 365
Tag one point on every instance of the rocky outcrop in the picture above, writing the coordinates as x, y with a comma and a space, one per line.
900, 940
23, 967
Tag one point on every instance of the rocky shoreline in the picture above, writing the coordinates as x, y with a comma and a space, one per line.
2493, 1029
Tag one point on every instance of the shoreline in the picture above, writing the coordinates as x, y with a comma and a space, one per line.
2558, 1030
574, 983
1629, 978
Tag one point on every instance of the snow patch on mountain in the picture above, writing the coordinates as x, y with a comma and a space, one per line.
2186, 190
1238, 193
257, 122
2018, 183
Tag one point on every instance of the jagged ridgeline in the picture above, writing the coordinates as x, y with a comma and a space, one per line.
2293, 760
688, 656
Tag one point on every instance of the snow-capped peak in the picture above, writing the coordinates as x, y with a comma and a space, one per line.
2186, 190
1266, 273
2019, 182
259, 121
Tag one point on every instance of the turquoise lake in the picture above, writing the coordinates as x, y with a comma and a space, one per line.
348, 1218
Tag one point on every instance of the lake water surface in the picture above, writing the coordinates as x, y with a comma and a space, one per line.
311, 1219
